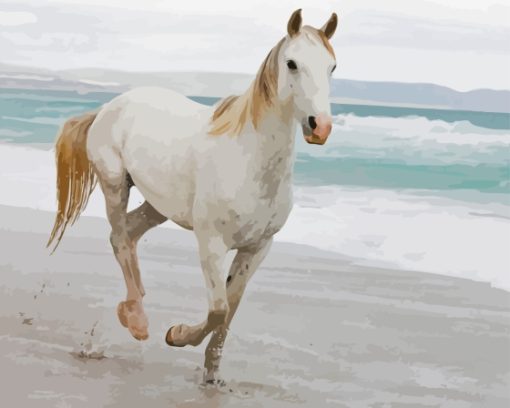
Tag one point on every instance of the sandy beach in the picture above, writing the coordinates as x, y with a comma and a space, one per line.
313, 329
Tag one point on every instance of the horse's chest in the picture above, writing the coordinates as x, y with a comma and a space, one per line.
255, 216
244, 189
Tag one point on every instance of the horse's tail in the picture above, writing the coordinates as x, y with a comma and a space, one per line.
75, 176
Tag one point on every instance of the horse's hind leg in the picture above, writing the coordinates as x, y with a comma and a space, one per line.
113, 179
139, 221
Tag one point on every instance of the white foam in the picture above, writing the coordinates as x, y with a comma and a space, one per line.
413, 140
27, 179
396, 229
31, 77
99, 83
375, 227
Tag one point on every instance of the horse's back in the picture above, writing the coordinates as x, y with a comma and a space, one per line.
160, 99
148, 113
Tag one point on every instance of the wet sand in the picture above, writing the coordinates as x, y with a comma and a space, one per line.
313, 330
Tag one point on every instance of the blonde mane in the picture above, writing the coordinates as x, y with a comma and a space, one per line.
233, 112
231, 115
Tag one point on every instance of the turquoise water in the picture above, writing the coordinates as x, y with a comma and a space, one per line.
371, 146
490, 120
387, 174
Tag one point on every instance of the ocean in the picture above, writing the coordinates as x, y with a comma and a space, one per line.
409, 188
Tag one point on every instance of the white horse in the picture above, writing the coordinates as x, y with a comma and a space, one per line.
224, 172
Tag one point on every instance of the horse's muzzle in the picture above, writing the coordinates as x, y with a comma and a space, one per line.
317, 130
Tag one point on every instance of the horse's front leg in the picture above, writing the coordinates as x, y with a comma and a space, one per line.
212, 255
244, 265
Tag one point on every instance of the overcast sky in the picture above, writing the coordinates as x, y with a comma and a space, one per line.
461, 44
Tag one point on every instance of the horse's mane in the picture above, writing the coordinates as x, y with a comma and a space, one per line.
233, 112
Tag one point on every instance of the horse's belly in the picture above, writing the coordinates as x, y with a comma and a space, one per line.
172, 201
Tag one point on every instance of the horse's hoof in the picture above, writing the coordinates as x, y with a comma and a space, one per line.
169, 339
178, 336
211, 377
121, 314
140, 335
132, 316
183, 335
214, 383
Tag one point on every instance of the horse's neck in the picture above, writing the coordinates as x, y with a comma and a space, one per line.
275, 135
274, 141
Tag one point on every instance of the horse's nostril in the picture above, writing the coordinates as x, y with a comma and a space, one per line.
312, 122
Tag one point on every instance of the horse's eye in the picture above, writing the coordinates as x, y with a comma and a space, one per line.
291, 65
333, 70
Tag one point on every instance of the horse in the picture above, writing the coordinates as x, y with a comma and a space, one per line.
223, 172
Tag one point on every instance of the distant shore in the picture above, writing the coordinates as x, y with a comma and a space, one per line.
221, 84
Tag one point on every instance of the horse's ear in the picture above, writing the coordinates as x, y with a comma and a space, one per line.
294, 24
329, 28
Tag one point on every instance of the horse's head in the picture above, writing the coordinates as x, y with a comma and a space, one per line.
306, 63
296, 72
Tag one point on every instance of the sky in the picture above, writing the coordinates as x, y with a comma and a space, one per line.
461, 44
